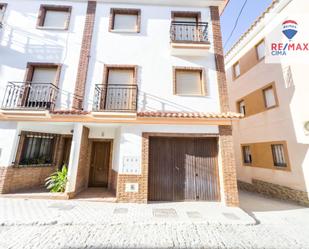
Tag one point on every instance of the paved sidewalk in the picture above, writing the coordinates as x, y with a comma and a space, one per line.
64, 225
50, 212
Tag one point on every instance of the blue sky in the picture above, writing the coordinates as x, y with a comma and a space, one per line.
252, 10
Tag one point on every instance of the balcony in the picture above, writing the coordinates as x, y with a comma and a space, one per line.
30, 96
115, 98
189, 38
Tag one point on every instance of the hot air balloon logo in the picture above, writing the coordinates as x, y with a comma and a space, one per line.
290, 29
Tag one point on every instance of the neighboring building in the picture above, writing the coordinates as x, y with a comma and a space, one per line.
132, 96
271, 141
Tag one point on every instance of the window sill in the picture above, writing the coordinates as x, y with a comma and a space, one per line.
52, 28
191, 95
34, 166
271, 107
124, 31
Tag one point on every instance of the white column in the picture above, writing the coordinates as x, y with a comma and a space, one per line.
8, 143
74, 157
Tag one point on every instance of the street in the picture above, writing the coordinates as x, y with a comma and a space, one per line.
277, 225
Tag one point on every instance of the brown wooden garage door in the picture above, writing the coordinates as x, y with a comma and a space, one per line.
183, 169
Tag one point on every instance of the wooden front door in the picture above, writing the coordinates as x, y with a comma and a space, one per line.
183, 169
99, 167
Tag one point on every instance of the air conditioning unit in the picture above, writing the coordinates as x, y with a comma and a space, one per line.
306, 128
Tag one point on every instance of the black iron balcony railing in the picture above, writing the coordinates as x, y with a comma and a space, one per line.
189, 32
30, 95
116, 97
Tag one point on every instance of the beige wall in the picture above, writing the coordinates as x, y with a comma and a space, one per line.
283, 123
275, 124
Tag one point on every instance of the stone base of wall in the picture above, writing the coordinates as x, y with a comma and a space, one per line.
14, 179
275, 191
112, 186
138, 197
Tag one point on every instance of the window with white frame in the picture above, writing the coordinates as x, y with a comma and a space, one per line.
125, 20
269, 97
189, 82
278, 155
260, 50
54, 17
247, 157
242, 107
236, 69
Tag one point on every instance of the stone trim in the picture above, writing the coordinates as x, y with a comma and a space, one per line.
192, 69
42, 14
275, 191
219, 56
124, 11
228, 165
83, 166
82, 70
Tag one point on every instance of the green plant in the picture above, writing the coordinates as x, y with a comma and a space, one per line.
57, 181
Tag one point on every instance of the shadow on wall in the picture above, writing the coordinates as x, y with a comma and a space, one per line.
29, 44
302, 149
149, 102
18, 43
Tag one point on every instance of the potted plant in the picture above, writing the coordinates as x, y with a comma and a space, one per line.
57, 181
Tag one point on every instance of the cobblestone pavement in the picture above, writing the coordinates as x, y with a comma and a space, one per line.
281, 225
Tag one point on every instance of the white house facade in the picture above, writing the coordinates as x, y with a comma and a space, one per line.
130, 95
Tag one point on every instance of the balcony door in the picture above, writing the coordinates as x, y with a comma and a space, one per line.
185, 26
39, 93
40, 88
120, 89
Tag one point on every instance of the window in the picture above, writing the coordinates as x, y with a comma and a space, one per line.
242, 107
236, 70
269, 97
2, 10
247, 157
125, 20
189, 82
54, 17
260, 50
278, 155
37, 149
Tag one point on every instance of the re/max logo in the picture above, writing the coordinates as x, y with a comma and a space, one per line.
282, 48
